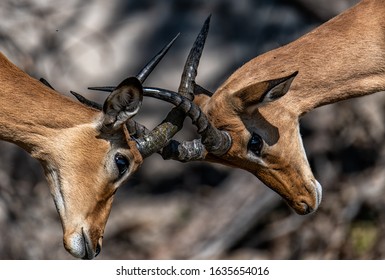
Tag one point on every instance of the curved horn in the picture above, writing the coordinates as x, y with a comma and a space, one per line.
143, 73
162, 134
146, 70
187, 83
213, 140
219, 142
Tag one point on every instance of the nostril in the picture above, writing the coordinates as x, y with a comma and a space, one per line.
98, 249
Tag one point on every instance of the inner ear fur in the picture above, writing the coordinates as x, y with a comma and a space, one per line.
263, 92
123, 103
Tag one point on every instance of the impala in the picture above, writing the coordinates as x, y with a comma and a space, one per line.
257, 110
87, 150
261, 103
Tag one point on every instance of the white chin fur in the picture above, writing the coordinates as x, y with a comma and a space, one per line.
318, 191
77, 246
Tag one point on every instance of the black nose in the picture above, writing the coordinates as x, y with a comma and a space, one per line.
97, 250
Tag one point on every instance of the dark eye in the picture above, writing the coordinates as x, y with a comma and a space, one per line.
122, 164
255, 144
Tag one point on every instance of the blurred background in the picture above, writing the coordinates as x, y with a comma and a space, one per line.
172, 210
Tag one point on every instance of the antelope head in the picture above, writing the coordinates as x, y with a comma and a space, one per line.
87, 163
86, 154
266, 139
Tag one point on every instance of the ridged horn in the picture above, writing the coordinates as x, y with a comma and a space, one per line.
218, 141
146, 70
162, 134
213, 140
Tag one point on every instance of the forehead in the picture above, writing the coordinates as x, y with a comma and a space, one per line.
85, 136
85, 141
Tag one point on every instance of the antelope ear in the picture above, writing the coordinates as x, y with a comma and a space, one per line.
266, 91
123, 103
278, 88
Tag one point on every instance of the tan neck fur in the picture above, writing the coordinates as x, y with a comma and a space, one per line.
31, 112
341, 59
